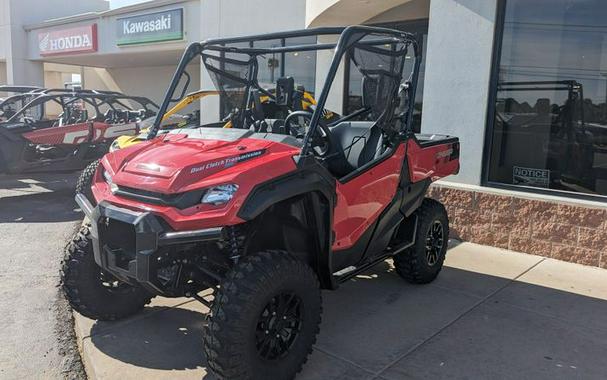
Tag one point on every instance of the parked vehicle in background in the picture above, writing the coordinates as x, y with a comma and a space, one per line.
64, 130
269, 211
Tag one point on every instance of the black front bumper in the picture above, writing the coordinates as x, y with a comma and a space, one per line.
126, 243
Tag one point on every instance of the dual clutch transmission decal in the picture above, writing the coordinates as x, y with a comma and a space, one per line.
228, 162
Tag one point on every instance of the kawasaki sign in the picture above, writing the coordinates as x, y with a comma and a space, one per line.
150, 27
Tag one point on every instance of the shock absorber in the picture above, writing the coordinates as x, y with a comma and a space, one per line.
234, 244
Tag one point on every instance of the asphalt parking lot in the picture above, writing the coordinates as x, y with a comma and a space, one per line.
37, 217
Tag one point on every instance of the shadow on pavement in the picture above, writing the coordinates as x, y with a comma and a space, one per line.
172, 342
464, 325
36, 199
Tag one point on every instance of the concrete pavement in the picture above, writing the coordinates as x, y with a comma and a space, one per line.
490, 314
37, 217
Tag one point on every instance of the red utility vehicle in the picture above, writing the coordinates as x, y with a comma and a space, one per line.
50, 130
271, 210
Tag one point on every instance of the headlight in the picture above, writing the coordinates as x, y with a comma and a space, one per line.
115, 145
108, 179
219, 195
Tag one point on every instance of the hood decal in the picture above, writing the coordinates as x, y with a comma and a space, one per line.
228, 162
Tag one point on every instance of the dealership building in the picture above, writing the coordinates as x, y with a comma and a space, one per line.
523, 84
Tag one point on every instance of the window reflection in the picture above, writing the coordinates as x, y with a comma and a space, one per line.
550, 122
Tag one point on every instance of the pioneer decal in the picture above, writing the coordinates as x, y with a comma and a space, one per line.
530, 177
445, 153
228, 162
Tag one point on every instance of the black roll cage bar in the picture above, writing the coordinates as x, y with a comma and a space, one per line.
95, 98
348, 36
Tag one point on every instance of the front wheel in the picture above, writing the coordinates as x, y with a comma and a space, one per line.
90, 291
83, 186
264, 319
421, 263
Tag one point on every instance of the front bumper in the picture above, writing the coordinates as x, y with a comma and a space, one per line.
126, 243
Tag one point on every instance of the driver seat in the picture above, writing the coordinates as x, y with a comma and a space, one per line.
360, 142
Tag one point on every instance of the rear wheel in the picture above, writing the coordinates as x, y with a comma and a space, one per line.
90, 291
421, 263
264, 319
83, 186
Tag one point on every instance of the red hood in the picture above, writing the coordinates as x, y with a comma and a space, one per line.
176, 163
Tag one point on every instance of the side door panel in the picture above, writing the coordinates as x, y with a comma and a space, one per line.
361, 200
72, 134
104, 131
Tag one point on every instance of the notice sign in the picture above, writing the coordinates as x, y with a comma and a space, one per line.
150, 27
81, 39
530, 177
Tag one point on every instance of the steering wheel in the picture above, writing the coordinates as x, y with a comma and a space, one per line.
28, 120
320, 142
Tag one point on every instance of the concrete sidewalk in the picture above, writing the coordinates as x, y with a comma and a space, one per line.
490, 314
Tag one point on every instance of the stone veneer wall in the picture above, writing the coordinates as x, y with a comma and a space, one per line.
545, 228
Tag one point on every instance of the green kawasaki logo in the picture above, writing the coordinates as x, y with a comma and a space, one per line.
151, 27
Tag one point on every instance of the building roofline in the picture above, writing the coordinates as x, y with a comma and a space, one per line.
151, 4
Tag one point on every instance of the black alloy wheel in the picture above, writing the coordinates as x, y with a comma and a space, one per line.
278, 326
435, 239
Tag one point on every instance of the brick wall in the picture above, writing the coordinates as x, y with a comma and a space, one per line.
561, 231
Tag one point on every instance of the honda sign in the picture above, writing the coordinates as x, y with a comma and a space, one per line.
81, 39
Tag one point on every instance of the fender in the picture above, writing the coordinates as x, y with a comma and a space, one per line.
312, 179
309, 176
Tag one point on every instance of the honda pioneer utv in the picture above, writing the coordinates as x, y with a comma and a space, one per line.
272, 210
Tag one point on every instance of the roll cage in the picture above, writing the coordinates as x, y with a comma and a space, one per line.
94, 98
349, 38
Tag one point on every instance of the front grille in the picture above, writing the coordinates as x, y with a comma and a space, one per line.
119, 238
179, 200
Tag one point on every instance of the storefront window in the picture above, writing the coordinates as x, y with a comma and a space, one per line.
299, 65
353, 100
549, 125
270, 66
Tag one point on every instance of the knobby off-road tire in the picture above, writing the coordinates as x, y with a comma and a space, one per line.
421, 263
91, 292
83, 186
237, 340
